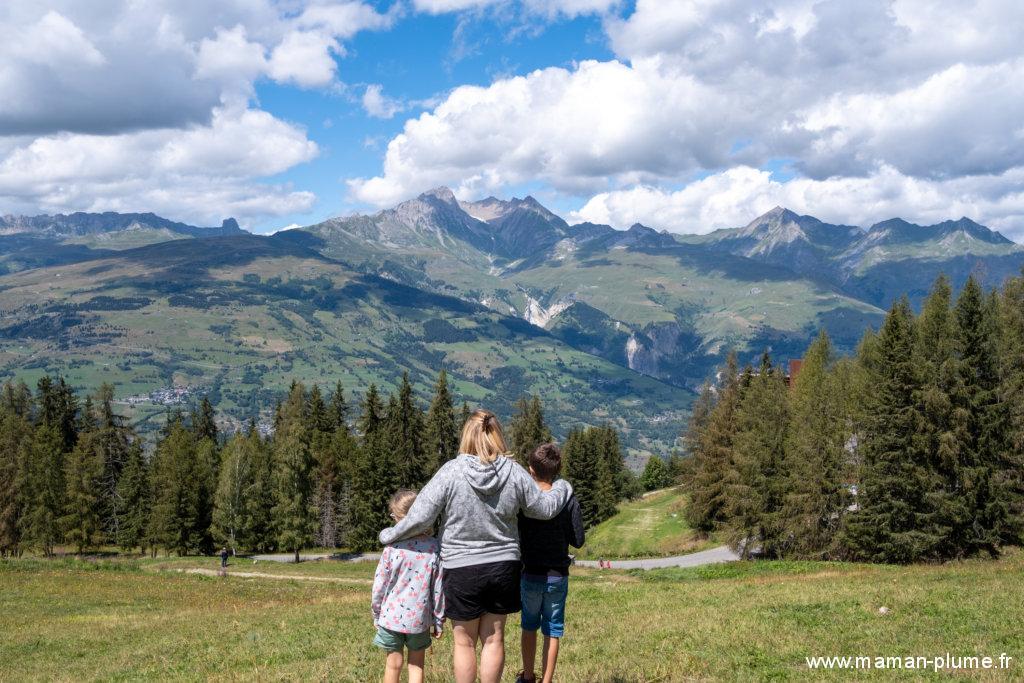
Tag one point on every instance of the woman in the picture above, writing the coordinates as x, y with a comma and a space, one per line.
478, 496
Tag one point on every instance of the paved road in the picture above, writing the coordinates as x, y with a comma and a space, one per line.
711, 556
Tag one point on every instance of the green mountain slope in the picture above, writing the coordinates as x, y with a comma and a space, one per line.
238, 317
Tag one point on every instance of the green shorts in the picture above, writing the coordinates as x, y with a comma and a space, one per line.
393, 641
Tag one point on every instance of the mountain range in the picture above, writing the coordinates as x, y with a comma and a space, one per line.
604, 324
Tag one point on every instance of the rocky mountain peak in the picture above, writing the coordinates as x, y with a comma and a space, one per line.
442, 193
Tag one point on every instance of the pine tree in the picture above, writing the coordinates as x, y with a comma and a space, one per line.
894, 483
817, 466
656, 475
711, 472
528, 429
294, 512
464, 416
83, 468
442, 434
133, 491
204, 422
754, 499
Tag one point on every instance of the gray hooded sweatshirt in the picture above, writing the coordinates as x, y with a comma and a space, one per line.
477, 504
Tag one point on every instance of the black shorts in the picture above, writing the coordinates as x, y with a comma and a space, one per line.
493, 588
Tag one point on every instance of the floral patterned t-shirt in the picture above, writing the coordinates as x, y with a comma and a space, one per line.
407, 589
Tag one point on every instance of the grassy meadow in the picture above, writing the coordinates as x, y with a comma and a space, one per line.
653, 526
148, 619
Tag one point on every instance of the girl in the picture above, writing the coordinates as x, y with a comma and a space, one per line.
408, 600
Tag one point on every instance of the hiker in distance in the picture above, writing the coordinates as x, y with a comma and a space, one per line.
478, 497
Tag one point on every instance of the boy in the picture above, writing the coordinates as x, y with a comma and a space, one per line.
545, 555
408, 597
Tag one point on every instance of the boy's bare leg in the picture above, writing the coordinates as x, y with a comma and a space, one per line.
416, 665
550, 656
464, 637
528, 644
492, 654
393, 667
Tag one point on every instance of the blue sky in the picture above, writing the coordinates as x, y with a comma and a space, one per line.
417, 61
683, 115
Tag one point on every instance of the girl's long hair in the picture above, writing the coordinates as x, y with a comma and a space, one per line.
482, 437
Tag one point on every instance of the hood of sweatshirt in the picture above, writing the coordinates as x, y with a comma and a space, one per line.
486, 478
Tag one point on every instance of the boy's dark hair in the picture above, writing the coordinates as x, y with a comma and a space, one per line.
546, 461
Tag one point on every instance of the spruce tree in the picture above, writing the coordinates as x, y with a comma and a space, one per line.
317, 418
404, 427
817, 469
580, 467
712, 471
42, 488
337, 409
58, 408
15, 431
294, 512
442, 433
940, 439
182, 483
977, 398
113, 441
894, 482
528, 429
83, 468
257, 529
754, 499
1010, 474
133, 490
372, 415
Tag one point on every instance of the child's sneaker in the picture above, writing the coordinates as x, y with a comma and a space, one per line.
521, 678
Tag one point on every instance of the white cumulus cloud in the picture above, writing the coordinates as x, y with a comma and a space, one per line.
733, 197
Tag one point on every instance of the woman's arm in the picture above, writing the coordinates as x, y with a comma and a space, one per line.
424, 511
540, 504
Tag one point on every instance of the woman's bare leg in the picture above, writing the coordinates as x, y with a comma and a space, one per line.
492, 654
464, 637
416, 665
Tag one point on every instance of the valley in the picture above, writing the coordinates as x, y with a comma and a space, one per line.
605, 325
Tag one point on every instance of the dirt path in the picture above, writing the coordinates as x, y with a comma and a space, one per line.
278, 577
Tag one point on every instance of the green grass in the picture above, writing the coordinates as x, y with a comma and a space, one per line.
133, 620
653, 526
